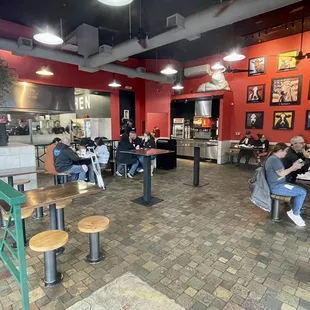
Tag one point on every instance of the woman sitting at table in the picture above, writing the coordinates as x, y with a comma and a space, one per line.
262, 143
123, 158
102, 152
148, 142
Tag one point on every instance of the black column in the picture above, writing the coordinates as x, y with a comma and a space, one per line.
3, 135
147, 191
196, 165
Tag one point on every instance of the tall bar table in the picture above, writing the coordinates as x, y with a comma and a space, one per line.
147, 199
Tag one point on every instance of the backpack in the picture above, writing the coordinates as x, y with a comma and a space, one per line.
260, 191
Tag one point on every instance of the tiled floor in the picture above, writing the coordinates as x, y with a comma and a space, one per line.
206, 248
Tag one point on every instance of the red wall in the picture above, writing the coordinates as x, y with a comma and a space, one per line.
239, 82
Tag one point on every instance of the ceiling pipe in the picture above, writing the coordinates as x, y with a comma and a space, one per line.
198, 23
73, 59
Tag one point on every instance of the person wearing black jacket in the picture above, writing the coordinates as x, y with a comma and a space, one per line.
296, 151
262, 143
147, 143
123, 158
134, 139
246, 140
65, 161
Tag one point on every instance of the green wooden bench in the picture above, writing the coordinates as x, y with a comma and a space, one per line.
14, 259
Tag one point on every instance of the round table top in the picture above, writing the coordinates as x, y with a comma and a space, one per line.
48, 240
93, 224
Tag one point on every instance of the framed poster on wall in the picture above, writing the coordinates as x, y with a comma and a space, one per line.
256, 93
254, 120
283, 120
286, 91
257, 66
287, 61
307, 126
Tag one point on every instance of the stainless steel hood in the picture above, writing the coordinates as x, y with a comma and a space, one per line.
203, 108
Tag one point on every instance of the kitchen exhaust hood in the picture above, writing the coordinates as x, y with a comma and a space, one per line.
203, 108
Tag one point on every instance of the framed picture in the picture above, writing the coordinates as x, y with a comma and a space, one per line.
286, 91
287, 61
257, 66
126, 114
256, 93
283, 120
307, 127
254, 120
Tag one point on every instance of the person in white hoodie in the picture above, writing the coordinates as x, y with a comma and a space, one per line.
102, 152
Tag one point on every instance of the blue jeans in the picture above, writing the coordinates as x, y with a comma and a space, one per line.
132, 170
298, 192
77, 173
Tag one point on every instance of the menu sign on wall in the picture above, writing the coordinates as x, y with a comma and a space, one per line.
39, 98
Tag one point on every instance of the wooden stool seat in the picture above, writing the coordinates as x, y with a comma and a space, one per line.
21, 182
93, 224
24, 214
48, 240
63, 204
281, 198
57, 173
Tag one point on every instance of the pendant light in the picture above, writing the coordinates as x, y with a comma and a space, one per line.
234, 56
169, 70
178, 86
218, 66
116, 2
44, 70
115, 84
48, 38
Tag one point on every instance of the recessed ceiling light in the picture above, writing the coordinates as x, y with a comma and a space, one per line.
115, 2
48, 38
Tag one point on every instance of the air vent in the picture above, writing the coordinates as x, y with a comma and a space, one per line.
105, 50
24, 44
141, 70
175, 20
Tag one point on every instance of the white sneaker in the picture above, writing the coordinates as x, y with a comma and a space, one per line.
129, 176
140, 170
85, 168
91, 183
297, 219
118, 174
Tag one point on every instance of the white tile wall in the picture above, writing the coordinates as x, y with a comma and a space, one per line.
223, 149
19, 155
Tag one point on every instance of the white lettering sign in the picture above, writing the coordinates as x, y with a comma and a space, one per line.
82, 102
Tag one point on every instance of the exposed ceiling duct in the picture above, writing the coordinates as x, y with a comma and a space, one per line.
24, 47
193, 25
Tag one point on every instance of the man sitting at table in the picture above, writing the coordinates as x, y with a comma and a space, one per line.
134, 139
296, 151
247, 140
65, 161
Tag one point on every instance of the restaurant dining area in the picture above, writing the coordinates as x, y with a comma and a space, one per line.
155, 158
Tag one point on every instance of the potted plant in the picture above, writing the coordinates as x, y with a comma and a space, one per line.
7, 81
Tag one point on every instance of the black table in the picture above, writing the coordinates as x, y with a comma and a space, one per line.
147, 199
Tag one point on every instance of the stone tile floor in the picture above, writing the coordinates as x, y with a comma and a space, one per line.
206, 248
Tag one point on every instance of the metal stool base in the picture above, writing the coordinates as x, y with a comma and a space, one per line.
59, 278
279, 220
96, 261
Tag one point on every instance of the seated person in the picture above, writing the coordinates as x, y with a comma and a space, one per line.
246, 140
264, 144
49, 160
23, 128
276, 178
102, 152
82, 152
134, 139
148, 142
66, 161
57, 129
122, 158
296, 151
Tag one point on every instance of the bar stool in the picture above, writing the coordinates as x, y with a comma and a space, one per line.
21, 184
93, 225
275, 206
24, 215
47, 242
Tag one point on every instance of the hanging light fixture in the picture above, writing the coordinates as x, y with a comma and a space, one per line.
115, 84
115, 2
234, 56
169, 70
48, 38
44, 70
218, 66
178, 86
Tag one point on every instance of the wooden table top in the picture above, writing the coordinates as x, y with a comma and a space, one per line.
52, 194
17, 171
147, 152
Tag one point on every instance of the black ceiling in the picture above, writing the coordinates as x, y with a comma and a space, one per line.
114, 23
